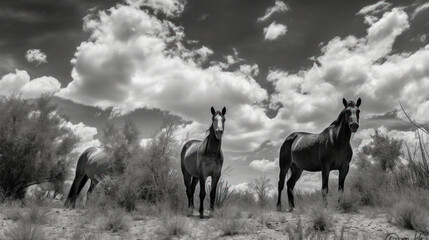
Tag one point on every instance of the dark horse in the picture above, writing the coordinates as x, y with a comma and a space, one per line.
92, 164
200, 159
326, 151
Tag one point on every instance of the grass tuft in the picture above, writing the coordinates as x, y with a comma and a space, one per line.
25, 230
172, 226
320, 218
116, 221
410, 216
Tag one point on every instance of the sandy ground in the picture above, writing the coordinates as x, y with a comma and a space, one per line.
66, 223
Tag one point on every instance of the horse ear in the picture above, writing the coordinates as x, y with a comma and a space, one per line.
345, 102
223, 110
358, 102
213, 110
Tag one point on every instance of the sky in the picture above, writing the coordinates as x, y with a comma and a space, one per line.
277, 66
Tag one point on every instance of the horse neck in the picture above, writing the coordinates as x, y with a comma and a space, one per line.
213, 144
342, 131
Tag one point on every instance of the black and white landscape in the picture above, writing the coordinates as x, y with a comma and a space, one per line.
100, 102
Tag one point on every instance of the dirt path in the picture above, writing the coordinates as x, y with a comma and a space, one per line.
79, 224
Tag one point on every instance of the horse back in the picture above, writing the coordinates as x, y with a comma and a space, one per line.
94, 163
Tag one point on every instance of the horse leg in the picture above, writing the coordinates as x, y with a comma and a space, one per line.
187, 178
90, 189
341, 178
74, 191
202, 195
215, 180
81, 185
325, 180
296, 174
281, 185
193, 185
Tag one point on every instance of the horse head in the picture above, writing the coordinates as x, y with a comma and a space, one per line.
352, 114
218, 122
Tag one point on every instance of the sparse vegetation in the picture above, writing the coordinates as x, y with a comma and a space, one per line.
13, 214
116, 221
410, 216
37, 215
261, 186
34, 145
172, 226
25, 230
320, 218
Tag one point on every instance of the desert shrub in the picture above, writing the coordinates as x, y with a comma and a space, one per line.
116, 221
297, 232
223, 192
410, 216
261, 186
34, 144
349, 201
25, 230
320, 218
229, 221
37, 215
144, 174
172, 226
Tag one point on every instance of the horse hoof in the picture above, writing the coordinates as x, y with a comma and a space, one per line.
289, 210
279, 208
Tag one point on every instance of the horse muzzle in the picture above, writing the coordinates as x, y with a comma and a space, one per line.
219, 134
353, 127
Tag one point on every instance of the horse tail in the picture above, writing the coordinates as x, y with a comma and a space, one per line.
285, 157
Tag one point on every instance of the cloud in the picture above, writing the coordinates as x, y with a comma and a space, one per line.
135, 60
351, 68
265, 165
20, 82
171, 8
274, 31
419, 9
36, 56
375, 8
241, 187
86, 136
279, 6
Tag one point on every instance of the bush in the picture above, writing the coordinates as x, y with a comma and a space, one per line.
24, 230
223, 192
320, 218
261, 186
228, 220
34, 144
37, 215
349, 201
172, 226
116, 221
410, 216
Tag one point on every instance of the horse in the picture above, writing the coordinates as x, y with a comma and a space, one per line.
201, 159
326, 151
93, 164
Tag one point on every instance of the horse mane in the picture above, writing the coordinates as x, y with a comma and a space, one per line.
338, 120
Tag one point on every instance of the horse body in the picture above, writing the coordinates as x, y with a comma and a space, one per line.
326, 151
93, 164
202, 159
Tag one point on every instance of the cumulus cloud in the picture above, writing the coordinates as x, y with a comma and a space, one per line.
20, 82
274, 31
356, 67
264, 165
279, 6
85, 133
419, 9
36, 56
135, 60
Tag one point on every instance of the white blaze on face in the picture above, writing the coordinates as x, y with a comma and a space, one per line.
219, 123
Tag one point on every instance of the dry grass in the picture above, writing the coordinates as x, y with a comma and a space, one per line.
25, 230
172, 226
320, 218
116, 221
410, 216
229, 221
13, 214
37, 215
